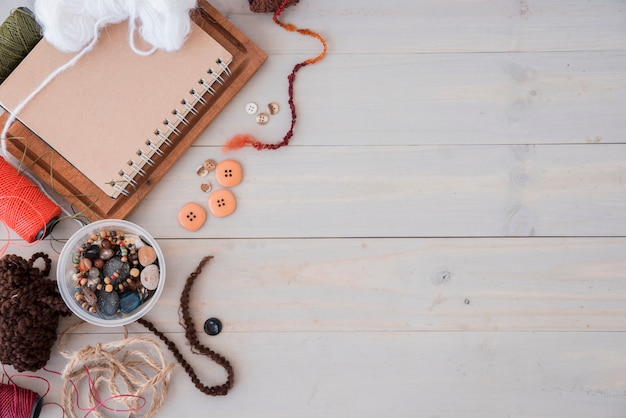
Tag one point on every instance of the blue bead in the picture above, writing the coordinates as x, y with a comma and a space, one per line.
129, 301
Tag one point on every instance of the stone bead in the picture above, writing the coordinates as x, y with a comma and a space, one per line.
150, 277
106, 253
147, 255
129, 301
92, 252
93, 273
94, 282
108, 303
90, 296
116, 265
84, 264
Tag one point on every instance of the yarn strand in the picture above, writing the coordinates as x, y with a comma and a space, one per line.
192, 338
106, 366
241, 140
13, 116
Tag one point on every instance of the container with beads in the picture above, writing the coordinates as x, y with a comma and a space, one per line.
111, 272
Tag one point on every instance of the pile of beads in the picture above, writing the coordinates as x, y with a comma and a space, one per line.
114, 273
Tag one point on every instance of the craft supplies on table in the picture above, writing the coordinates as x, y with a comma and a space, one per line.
180, 96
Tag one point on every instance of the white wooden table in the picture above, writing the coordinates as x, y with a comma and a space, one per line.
445, 237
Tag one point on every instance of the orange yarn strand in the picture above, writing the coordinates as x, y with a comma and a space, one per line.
306, 32
241, 140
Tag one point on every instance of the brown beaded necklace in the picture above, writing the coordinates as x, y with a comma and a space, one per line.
192, 338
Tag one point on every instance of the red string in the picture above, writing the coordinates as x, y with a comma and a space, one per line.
93, 390
241, 140
16, 401
95, 395
23, 207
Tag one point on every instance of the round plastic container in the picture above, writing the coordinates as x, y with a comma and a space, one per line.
66, 270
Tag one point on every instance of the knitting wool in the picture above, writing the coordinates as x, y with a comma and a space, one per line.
241, 140
268, 6
30, 307
19, 34
69, 24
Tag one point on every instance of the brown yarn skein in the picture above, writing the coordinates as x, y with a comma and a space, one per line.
268, 6
30, 307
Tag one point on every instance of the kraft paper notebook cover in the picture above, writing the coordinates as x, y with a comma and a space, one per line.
118, 120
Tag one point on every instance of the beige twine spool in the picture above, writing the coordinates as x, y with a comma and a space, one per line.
123, 369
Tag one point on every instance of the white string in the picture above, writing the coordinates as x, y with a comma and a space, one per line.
13, 115
70, 25
131, 40
45, 82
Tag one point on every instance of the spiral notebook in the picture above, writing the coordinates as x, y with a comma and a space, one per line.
117, 116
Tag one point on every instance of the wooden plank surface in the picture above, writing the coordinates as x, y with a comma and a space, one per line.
444, 237
407, 191
443, 98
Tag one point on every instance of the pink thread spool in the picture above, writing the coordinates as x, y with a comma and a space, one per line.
23, 207
18, 402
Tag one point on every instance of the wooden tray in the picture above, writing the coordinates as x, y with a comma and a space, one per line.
87, 198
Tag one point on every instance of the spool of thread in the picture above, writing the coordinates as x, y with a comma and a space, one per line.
19, 34
23, 207
18, 402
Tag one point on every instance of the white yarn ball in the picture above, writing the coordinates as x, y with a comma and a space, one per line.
165, 23
70, 25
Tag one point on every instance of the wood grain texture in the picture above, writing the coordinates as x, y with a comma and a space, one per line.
436, 99
407, 191
444, 237
431, 26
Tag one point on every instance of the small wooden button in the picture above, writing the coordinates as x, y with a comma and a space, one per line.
191, 216
273, 108
222, 203
201, 171
206, 187
262, 118
228, 173
209, 165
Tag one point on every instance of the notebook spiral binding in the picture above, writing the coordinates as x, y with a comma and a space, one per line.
181, 117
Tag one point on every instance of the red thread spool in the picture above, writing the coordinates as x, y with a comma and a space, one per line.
23, 207
18, 402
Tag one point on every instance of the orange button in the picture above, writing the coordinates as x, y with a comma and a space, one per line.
228, 173
222, 203
192, 216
